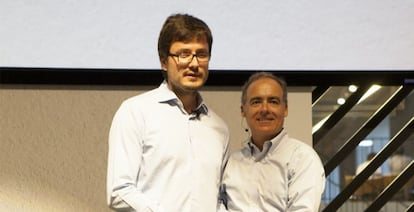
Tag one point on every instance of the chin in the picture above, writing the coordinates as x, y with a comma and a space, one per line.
193, 85
268, 130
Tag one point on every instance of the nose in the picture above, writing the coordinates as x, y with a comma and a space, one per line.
192, 60
264, 107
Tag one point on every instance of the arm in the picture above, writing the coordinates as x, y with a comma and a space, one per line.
124, 161
307, 181
222, 197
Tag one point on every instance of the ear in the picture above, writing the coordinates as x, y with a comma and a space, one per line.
243, 114
286, 111
163, 65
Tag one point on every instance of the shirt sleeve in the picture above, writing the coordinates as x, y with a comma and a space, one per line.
124, 159
222, 196
306, 181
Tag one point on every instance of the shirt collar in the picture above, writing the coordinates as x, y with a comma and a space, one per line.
268, 146
168, 96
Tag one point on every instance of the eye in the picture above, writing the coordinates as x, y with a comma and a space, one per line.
202, 54
274, 101
255, 102
184, 54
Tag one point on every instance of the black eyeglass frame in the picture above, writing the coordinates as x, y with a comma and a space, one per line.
189, 60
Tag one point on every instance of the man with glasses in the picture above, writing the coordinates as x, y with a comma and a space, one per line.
167, 149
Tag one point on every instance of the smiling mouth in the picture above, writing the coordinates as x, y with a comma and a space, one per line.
192, 75
266, 122
264, 119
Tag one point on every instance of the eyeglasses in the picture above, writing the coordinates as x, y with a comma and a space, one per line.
187, 57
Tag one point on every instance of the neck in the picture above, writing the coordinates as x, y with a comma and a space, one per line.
260, 140
259, 145
189, 101
187, 97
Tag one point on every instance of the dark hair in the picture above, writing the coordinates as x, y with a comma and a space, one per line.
260, 75
182, 27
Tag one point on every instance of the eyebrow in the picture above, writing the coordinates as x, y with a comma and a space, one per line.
255, 98
190, 50
261, 98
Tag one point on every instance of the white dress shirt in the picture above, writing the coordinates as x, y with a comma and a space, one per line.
287, 175
163, 159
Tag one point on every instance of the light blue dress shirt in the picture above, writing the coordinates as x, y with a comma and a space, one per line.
287, 175
163, 159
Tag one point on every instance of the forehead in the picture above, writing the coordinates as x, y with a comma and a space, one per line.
194, 44
264, 87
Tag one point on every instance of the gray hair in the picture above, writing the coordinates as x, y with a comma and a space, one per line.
260, 75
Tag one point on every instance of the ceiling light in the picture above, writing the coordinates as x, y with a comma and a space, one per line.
352, 88
366, 143
340, 101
